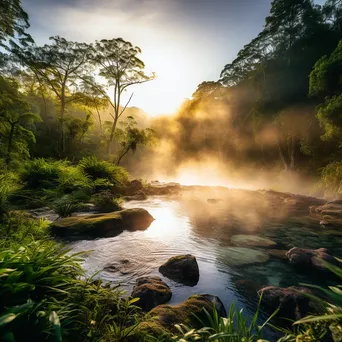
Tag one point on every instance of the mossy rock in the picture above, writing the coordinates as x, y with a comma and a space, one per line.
181, 268
237, 256
251, 241
164, 317
151, 292
102, 225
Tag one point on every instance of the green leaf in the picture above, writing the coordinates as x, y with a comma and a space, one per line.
7, 318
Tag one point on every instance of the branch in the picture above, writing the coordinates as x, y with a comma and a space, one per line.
129, 100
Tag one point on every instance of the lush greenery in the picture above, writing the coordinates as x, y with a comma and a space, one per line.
62, 138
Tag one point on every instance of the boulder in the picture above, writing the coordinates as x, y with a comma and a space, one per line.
237, 256
293, 302
251, 240
310, 258
182, 268
151, 291
102, 225
164, 317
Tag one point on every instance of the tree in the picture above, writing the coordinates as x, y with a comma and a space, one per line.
15, 114
325, 84
13, 20
130, 137
121, 68
59, 66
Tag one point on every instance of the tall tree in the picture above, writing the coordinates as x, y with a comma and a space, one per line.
58, 65
121, 68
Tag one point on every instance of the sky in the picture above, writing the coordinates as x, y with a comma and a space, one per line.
185, 42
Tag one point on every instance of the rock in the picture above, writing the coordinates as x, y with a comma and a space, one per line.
310, 258
249, 287
251, 240
163, 188
102, 225
278, 253
128, 190
140, 196
293, 303
237, 256
151, 291
44, 213
182, 268
164, 317
123, 266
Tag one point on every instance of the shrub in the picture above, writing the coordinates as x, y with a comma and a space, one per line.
97, 169
105, 202
40, 173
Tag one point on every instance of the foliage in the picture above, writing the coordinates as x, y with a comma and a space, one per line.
130, 137
15, 120
332, 178
13, 20
105, 202
235, 327
97, 169
43, 298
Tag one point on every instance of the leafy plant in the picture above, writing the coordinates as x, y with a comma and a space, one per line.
236, 327
97, 169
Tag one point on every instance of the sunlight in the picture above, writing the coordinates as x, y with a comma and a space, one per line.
166, 221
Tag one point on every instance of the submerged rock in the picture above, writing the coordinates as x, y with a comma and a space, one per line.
102, 225
248, 287
163, 318
182, 268
251, 240
151, 291
237, 256
293, 302
278, 253
310, 258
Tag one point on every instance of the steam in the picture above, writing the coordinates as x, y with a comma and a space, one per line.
207, 143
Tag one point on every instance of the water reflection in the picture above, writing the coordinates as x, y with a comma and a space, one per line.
189, 224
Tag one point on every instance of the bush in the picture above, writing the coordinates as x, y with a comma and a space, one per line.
97, 169
105, 202
8, 185
41, 174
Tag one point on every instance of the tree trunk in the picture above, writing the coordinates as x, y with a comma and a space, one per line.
282, 156
121, 156
111, 137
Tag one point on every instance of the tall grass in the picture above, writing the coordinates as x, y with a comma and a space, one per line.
236, 327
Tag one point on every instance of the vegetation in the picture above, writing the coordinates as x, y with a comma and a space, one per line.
63, 137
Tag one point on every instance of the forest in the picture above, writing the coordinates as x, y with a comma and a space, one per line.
71, 144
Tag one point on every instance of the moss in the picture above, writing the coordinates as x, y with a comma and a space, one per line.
96, 225
164, 317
